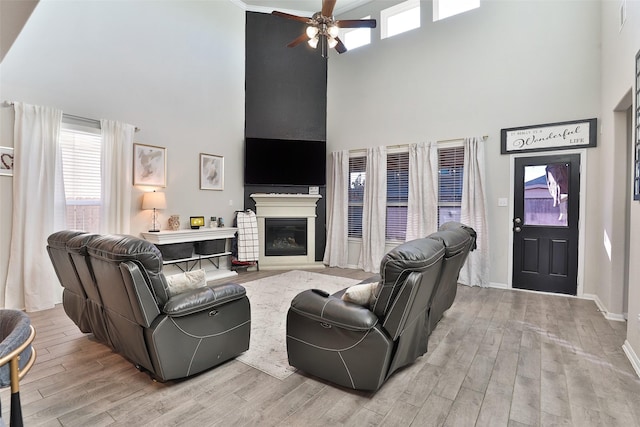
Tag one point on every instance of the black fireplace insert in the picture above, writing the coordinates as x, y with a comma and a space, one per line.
285, 236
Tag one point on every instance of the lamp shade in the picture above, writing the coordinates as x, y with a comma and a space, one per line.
154, 200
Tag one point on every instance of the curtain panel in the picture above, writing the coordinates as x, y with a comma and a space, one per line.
336, 250
422, 206
374, 210
38, 208
116, 173
474, 213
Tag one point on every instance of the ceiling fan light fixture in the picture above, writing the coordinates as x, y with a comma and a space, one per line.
333, 31
313, 42
312, 31
322, 28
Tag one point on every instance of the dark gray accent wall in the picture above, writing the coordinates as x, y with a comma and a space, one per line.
286, 88
285, 97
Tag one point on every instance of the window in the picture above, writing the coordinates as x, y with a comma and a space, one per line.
397, 196
450, 173
81, 169
446, 8
356, 37
400, 18
357, 178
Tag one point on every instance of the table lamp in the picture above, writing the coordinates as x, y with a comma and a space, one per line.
154, 200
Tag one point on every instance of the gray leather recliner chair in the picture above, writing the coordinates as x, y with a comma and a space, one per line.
360, 347
128, 304
458, 240
74, 298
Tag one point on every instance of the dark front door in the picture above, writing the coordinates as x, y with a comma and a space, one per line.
545, 223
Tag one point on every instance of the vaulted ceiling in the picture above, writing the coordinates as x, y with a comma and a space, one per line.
308, 6
14, 14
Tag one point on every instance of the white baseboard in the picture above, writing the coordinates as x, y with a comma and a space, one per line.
632, 356
607, 315
498, 285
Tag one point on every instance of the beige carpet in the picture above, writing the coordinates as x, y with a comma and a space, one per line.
270, 300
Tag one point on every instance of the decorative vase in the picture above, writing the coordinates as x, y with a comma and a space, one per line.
174, 222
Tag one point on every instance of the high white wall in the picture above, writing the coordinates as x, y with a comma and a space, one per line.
175, 69
506, 64
619, 46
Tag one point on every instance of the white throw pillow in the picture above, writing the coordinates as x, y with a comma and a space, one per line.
179, 283
363, 294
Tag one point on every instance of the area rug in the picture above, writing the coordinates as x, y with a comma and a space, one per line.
270, 300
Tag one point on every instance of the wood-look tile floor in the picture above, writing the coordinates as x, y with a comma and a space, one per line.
497, 358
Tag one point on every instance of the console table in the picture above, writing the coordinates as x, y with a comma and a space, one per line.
169, 237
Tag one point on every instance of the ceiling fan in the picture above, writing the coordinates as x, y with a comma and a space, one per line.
323, 28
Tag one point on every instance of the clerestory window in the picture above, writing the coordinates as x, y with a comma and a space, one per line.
400, 18
445, 8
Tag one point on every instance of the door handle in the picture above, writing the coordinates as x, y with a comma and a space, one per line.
517, 220
517, 229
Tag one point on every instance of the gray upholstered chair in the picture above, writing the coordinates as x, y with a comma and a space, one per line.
458, 240
16, 356
130, 308
74, 298
359, 346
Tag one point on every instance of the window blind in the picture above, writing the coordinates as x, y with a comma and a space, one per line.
357, 179
450, 173
81, 154
397, 196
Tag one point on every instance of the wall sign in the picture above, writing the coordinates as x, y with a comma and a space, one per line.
551, 136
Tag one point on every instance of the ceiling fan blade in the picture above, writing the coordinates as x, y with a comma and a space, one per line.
289, 16
356, 23
303, 38
340, 47
327, 7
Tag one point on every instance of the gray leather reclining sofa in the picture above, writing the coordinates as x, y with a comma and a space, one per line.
114, 288
358, 346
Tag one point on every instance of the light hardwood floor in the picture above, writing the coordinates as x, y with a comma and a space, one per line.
497, 358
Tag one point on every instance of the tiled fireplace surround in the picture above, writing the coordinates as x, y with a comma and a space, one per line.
275, 205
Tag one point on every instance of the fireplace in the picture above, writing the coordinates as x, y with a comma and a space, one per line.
285, 236
287, 230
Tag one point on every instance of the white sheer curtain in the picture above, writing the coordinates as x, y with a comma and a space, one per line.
116, 168
38, 208
336, 250
374, 211
474, 213
422, 207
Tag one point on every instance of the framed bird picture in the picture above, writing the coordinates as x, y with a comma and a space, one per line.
211, 172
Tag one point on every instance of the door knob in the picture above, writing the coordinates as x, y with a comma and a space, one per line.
517, 229
517, 220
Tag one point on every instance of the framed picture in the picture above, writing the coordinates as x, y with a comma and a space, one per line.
6, 161
211, 172
551, 136
149, 165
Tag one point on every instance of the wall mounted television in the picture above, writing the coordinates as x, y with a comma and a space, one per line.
284, 162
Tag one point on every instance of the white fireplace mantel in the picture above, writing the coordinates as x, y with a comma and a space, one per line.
276, 205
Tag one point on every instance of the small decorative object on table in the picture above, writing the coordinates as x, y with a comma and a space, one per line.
214, 222
174, 222
220, 222
197, 222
